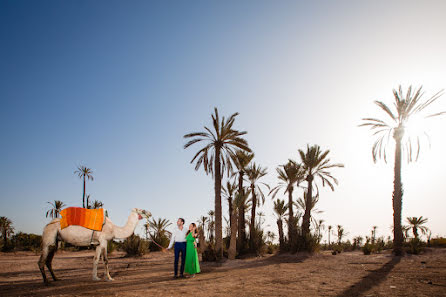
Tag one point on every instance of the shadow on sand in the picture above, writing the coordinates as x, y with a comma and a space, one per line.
374, 278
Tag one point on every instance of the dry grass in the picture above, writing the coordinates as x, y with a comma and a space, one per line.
347, 274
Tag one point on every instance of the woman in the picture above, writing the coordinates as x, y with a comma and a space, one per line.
192, 266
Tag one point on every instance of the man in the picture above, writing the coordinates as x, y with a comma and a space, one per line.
179, 238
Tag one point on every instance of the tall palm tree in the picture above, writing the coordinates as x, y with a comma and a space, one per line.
7, 230
254, 173
374, 234
56, 207
228, 193
341, 233
202, 223
146, 227
288, 175
319, 228
329, 233
211, 225
301, 204
215, 156
239, 198
85, 174
416, 223
280, 208
241, 160
316, 165
408, 106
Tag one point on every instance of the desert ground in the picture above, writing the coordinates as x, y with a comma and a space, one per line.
322, 274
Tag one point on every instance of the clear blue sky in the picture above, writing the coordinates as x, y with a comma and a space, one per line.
114, 85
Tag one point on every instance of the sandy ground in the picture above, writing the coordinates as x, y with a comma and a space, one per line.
346, 274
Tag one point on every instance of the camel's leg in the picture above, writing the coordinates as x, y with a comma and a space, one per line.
41, 263
49, 260
49, 243
107, 271
96, 258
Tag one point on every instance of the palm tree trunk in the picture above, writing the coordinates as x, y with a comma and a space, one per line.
280, 226
241, 217
218, 213
253, 218
230, 210
307, 214
83, 196
233, 241
5, 240
397, 198
290, 216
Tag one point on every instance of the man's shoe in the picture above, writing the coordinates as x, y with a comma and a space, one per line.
175, 277
182, 276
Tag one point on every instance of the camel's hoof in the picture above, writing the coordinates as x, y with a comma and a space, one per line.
109, 279
96, 279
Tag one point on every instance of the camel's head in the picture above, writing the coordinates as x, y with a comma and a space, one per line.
142, 213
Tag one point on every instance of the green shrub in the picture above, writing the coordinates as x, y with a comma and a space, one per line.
134, 246
415, 246
162, 241
438, 242
26, 242
111, 246
367, 249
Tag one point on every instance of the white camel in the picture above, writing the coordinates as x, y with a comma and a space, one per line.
80, 236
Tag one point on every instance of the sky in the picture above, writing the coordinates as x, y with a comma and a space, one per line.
114, 86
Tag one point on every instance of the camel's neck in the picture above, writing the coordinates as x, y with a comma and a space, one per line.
128, 229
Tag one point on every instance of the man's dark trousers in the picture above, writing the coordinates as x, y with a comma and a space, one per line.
180, 247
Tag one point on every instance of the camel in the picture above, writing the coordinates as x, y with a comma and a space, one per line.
80, 236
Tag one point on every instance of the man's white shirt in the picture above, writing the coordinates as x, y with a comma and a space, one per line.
178, 236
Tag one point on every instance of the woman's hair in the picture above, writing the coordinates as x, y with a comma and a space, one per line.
195, 229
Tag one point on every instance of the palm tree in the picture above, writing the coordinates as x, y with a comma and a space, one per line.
271, 236
84, 173
228, 193
254, 173
416, 223
407, 107
146, 227
159, 235
241, 161
203, 220
357, 242
319, 227
301, 204
215, 157
340, 233
97, 204
288, 175
280, 209
7, 230
329, 233
56, 207
316, 165
211, 225
374, 234
240, 198
159, 227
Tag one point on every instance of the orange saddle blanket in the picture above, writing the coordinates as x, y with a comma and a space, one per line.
89, 218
